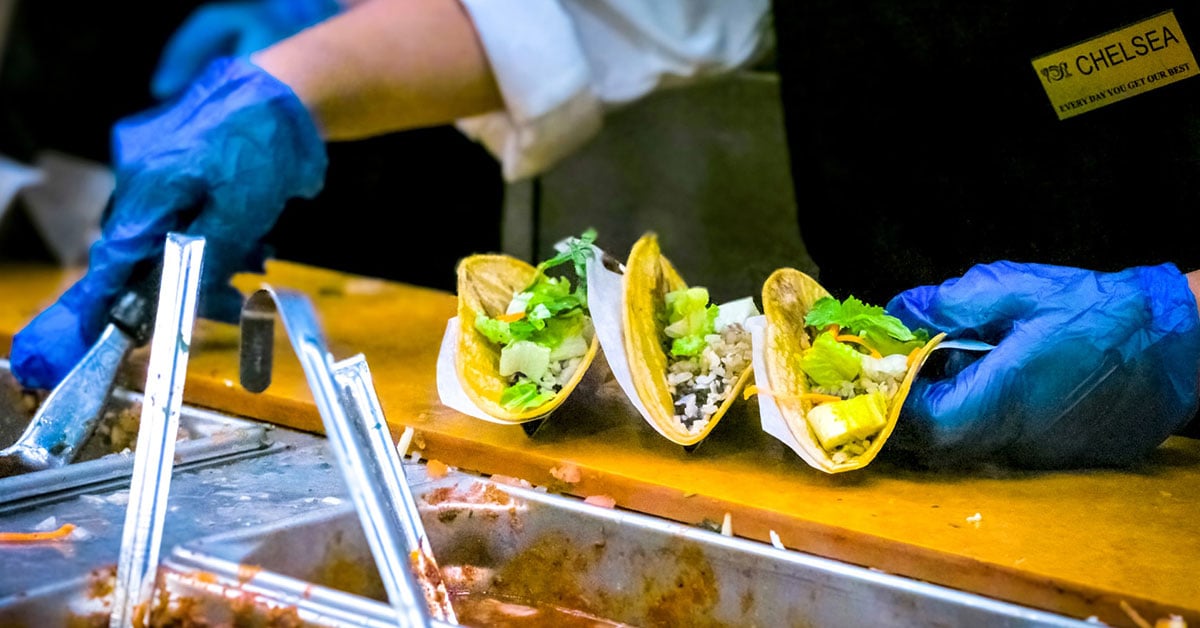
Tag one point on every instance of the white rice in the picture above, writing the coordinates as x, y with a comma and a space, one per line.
701, 384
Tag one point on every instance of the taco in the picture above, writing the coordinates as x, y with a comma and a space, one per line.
525, 336
838, 371
688, 358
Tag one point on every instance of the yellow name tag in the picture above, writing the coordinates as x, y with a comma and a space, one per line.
1116, 65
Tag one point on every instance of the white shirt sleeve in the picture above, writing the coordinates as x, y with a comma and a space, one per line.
562, 64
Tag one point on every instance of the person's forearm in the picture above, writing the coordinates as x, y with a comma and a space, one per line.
387, 65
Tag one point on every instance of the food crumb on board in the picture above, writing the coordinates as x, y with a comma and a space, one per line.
405, 440
1170, 621
511, 481
727, 525
975, 519
437, 469
566, 472
776, 541
364, 286
228, 383
604, 501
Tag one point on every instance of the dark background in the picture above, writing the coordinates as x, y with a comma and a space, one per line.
72, 69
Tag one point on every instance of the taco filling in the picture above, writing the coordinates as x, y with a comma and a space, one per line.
545, 334
707, 350
854, 368
688, 359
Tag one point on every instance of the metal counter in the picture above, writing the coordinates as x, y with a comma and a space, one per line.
250, 535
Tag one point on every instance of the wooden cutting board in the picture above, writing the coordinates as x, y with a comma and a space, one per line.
1088, 543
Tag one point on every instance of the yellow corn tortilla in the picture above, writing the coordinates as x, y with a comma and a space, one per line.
649, 276
787, 296
486, 284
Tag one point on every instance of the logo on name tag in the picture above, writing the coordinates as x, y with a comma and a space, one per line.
1109, 68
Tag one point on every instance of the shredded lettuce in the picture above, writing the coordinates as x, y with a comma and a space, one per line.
524, 394
556, 317
885, 333
845, 369
689, 319
829, 363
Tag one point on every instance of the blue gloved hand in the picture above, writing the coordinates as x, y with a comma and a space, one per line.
1089, 369
221, 162
222, 29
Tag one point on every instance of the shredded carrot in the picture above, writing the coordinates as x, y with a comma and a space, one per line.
27, 537
858, 340
912, 357
510, 318
818, 397
813, 397
206, 577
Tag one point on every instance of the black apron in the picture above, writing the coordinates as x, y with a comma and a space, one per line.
922, 142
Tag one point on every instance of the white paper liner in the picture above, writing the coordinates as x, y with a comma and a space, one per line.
769, 415
606, 303
606, 300
450, 390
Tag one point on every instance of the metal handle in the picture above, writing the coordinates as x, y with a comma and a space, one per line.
133, 311
137, 566
375, 481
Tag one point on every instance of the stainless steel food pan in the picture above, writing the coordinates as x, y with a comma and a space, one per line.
508, 551
106, 459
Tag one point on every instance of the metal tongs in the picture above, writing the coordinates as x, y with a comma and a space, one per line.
137, 565
359, 436
67, 417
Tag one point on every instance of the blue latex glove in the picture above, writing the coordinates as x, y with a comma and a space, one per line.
1090, 368
222, 29
221, 162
